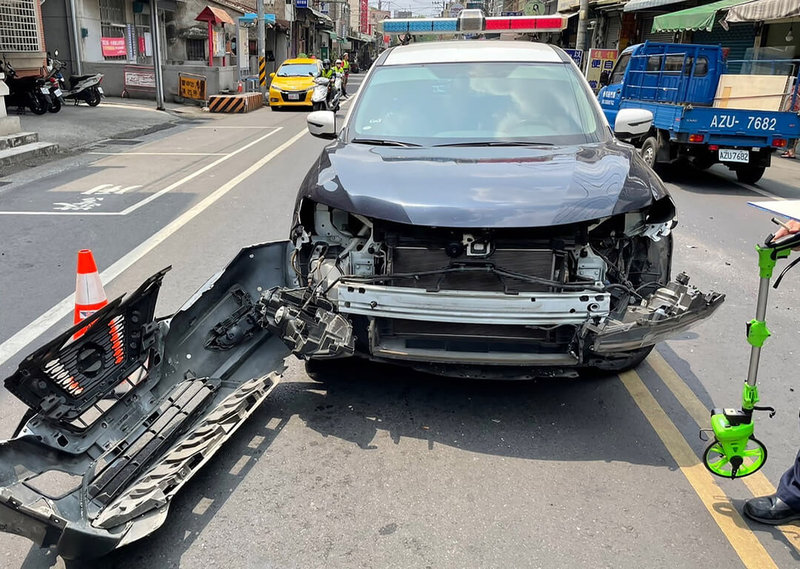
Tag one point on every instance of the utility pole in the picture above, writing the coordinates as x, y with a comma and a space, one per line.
155, 36
583, 17
262, 55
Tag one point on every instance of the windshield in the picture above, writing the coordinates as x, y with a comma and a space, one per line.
462, 103
298, 70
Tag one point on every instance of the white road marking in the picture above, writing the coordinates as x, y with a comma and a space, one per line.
158, 153
759, 191
232, 126
104, 189
44, 322
159, 193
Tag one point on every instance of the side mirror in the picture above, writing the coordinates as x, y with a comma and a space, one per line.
632, 122
271, 75
322, 124
604, 78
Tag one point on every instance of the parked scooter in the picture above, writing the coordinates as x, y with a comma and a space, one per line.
29, 91
81, 87
327, 96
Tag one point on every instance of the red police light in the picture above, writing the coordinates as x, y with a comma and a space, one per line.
525, 23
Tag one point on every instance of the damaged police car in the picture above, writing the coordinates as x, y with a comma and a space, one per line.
474, 216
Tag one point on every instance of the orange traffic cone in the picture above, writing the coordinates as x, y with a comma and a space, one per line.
89, 294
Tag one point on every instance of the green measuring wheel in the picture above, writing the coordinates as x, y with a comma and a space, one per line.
735, 464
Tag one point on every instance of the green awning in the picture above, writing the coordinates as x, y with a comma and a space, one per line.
699, 18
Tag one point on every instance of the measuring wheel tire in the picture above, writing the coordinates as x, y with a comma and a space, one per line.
749, 174
55, 105
93, 98
718, 464
649, 151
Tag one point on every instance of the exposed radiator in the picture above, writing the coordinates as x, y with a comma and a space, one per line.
530, 262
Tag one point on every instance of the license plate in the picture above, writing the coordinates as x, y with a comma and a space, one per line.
729, 155
294, 97
45, 90
100, 90
57, 92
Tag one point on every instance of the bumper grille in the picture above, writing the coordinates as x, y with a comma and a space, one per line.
300, 94
530, 262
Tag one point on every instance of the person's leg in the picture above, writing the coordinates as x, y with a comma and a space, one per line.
784, 505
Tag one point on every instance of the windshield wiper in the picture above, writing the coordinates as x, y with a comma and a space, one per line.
497, 143
381, 142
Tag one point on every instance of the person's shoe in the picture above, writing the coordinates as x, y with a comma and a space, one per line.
770, 510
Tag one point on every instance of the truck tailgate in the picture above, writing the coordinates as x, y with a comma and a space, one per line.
739, 126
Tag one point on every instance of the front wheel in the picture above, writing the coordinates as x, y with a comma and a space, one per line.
319, 106
649, 151
93, 98
37, 104
749, 174
55, 104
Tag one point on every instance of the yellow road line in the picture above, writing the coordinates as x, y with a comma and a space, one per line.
757, 483
744, 542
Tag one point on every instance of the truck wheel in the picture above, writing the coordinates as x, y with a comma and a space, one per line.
649, 151
749, 174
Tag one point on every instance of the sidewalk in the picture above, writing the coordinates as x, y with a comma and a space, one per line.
75, 128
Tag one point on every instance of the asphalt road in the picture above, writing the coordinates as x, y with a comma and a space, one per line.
389, 468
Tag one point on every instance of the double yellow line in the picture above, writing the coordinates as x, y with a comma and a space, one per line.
730, 522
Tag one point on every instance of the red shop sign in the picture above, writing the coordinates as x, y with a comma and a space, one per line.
113, 47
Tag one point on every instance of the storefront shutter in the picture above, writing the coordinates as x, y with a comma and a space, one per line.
647, 35
739, 38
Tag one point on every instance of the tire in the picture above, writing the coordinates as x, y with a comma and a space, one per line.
37, 105
93, 98
330, 371
649, 151
318, 106
55, 104
749, 174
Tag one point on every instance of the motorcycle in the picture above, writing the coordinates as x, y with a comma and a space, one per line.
81, 87
30, 91
56, 95
327, 96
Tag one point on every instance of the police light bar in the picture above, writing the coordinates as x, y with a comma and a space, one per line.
472, 22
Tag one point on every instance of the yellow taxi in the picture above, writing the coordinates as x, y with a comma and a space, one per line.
293, 83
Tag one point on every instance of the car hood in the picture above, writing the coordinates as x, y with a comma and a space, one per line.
483, 186
292, 83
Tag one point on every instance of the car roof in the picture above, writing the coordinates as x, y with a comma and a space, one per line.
300, 60
459, 51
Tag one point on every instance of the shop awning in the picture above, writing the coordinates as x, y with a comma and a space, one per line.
320, 16
635, 5
763, 11
699, 18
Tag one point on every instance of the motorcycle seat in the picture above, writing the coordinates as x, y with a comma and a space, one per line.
74, 79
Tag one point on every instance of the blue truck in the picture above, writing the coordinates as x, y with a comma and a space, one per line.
678, 84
